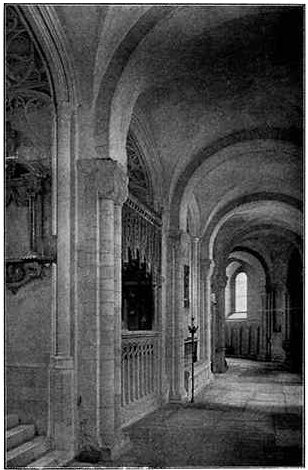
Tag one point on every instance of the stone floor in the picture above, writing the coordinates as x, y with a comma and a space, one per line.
250, 416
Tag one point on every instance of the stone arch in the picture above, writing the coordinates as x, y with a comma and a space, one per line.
105, 132
47, 31
258, 257
291, 135
43, 24
190, 212
223, 214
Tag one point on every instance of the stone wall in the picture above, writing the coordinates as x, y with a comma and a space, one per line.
28, 349
28, 299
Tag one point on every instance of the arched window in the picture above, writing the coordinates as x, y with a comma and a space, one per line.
241, 293
236, 295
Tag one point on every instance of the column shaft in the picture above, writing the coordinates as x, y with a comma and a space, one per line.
62, 395
218, 356
102, 190
175, 332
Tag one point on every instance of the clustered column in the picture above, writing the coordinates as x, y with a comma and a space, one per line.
206, 271
219, 283
178, 244
278, 321
195, 288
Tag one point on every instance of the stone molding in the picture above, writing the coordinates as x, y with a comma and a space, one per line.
106, 176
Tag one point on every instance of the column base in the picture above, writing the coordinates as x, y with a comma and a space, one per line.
108, 454
219, 365
177, 398
120, 446
61, 432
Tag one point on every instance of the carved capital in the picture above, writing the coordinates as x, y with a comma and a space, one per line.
206, 268
219, 281
182, 240
104, 176
279, 287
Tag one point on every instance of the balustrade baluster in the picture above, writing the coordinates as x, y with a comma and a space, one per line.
143, 369
138, 370
150, 369
155, 367
122, 380
129, 366
132, 375
146, 369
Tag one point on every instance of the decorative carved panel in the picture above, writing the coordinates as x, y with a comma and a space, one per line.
29, 244
27, 84
26, 185
139, 182
141, 235
21, 271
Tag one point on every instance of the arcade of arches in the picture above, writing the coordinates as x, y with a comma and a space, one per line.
154, 169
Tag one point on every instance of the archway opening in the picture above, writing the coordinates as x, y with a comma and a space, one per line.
295, 290
141, 273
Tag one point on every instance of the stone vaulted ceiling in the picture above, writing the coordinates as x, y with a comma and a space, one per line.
220, 90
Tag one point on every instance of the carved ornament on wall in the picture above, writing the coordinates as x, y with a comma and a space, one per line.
139, 182
24, 181
27, 84
21, 271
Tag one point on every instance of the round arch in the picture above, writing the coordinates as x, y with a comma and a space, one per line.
108, 81
47, 31
291, 135
211, 230
43, 24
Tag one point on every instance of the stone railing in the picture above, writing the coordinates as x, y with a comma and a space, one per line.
139, 365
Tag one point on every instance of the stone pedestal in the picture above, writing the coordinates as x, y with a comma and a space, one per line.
102, 189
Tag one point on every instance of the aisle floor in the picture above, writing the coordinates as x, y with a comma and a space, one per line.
249, 416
